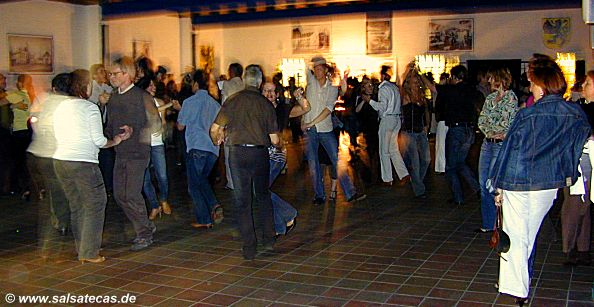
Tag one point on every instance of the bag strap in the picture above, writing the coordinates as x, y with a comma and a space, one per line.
498, 219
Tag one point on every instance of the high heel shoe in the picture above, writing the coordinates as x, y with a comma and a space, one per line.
333, 195
154, 213
97, 259
166, 207
521, 301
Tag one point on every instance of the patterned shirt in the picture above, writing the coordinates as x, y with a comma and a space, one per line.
496, 117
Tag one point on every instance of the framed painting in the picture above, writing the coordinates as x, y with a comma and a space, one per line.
141, 49
446, 35
32, 54
556, 32
379, 36
311, 38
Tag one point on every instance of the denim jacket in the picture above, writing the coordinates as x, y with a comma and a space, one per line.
542, 148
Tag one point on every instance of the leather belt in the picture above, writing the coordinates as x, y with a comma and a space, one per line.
249, 145
470, 125
490, 140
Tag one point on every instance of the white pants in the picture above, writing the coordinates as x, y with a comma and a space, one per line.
388, 146
523, 213
440, 137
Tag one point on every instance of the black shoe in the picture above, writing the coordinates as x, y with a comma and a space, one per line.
319, 201
248, 254
422, 196
141, 244
483, 230
452, 201
571, 258
357, 197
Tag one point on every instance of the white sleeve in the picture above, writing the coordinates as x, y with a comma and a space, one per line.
382, 104
96, 126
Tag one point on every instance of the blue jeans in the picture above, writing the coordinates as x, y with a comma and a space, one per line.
283, 211
160, 166
489, 152
328, 140
199, 163
417, 157
458, 142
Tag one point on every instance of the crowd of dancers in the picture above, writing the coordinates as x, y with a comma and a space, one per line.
103, 133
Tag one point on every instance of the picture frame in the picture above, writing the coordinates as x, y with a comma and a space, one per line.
451, 35
141, 48
379, 35
31, 54
310, 38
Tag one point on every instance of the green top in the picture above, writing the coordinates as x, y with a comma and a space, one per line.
496, 116
19, 121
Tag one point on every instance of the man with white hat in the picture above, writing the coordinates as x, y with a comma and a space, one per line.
317, 124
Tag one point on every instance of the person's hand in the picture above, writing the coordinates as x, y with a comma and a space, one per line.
498, 197
499, 136
366, 97
104, 98
176, 104
126, 133
306, 126
298, 93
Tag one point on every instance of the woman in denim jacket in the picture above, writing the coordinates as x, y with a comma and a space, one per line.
539, 155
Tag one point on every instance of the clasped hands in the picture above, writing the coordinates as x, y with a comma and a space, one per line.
123, 135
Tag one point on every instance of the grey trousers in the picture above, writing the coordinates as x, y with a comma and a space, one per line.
83, 185
128, 178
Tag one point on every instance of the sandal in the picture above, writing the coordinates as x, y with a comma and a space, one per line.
217, 214
332, 195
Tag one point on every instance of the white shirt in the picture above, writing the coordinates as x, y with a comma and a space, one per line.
320, 97
78, 131
43, 142
389, 100
157, 137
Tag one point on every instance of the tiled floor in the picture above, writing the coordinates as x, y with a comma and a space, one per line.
387, 249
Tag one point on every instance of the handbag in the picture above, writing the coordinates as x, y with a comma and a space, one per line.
499, 239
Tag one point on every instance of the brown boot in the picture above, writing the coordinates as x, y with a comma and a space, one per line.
166, 207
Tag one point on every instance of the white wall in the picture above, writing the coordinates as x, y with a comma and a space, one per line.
501, 35
75, 29
162, 31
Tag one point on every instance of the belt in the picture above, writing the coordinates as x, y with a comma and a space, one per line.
470, 125
392, 114
490, 140
249, 145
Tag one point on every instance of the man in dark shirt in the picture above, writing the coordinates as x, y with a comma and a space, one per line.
456, 103
134, 107
248, 121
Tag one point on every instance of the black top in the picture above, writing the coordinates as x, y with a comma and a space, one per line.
458, 103
248, 117
367, 117
589, 110
282, 114
413, 117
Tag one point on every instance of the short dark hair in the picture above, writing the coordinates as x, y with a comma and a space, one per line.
61, 83
236, 70
459, 72
79, 83
201, 78
545, 73
144, 82
385, 70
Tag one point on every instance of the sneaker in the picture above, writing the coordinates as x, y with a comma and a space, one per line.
357, 197
141, 244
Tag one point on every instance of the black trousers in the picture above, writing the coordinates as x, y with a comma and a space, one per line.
250, 170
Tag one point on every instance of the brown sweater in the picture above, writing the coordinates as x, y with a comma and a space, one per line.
136, 109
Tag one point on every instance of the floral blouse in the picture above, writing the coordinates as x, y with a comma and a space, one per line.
496, 117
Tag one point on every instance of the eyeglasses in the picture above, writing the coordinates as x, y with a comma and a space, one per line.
114, 73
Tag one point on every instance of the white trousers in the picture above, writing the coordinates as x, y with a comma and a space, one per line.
388, 146
227, 169
440, 137
523, 213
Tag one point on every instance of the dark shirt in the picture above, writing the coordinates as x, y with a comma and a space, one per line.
413, 117
248, 118
368, 118
282, 115
135, 108
458, 103
589, 110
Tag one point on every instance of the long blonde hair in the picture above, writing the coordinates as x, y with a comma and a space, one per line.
414, 94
